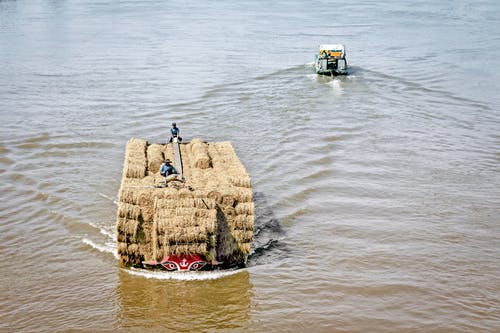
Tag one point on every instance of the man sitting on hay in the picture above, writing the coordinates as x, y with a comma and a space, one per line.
168, 171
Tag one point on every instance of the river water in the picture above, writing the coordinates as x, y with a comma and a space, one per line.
377, 194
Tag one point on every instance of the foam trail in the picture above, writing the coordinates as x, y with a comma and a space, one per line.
109, 198
107, 233
110, 234
336, 85
312, 77
182, 276
101, 248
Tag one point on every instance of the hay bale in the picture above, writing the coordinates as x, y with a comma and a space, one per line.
199, 150
179, 203
185, 235
245, 248
122, 248
243, 222
136, 170
128, 227
185, 193
243, 236
246, 208
164, 221
135, 160
147, 213
132, 249
195, 248
121, 238
243, 194
228, 199
242, 181
126, 210
155, 157
216, 196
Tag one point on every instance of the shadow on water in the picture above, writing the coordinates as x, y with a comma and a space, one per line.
268, 234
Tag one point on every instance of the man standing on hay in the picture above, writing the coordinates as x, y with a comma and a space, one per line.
168, 171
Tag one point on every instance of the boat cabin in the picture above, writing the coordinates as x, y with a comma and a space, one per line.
331, 60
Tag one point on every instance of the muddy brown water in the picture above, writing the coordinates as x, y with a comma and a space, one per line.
377, 194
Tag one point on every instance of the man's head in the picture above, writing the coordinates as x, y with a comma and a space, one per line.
167, 161
174, 124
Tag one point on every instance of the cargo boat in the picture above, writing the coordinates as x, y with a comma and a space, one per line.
203, 220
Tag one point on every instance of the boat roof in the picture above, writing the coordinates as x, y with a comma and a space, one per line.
336, 47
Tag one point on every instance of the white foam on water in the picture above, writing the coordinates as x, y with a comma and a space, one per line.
111, 235
182, 276
312, 77
106, 248
336, 85
109, 198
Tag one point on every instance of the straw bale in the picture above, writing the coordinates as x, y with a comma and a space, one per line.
200, 156
135, 161
144, 197
166, 203
194, 248
135, 170
129, 211
155, 157
174, 203
128, 226
242, 181
137, 196
215, 195
187, 212
228, 199
245, 208
172, 220
147, 213
167, 193
121, 237
132, 249
245, 247
126, 195
185, 193
206, 213
193, 203
185, 235
136, 144
229, 211
243, 236
206, 203
181, 222
120, 225
168, 214
122, 248
200, 203
243, 194
243, 221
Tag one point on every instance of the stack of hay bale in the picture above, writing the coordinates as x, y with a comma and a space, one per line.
211, 214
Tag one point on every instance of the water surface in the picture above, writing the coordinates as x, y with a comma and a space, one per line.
377, 194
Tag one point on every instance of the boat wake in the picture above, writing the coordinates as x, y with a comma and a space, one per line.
182, 276
108, 247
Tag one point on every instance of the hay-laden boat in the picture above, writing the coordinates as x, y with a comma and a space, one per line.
204, 222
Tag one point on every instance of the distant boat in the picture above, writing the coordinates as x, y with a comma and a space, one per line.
331, 60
